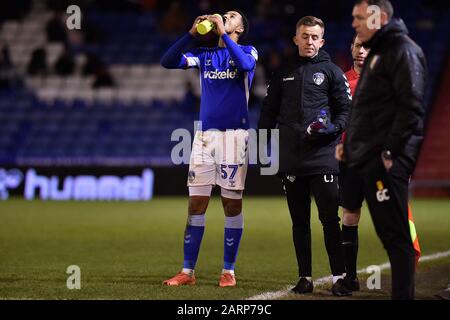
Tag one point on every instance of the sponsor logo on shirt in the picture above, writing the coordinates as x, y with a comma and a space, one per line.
220, 75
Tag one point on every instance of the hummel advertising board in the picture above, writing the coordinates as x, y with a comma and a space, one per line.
82, 184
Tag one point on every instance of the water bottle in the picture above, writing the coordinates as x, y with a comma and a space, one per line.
206, 26
323, 117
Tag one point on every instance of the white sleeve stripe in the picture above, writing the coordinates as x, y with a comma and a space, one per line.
247, 91
192, 61
254, 53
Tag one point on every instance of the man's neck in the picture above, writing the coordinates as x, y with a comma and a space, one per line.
233, 37
357, 69
306, 57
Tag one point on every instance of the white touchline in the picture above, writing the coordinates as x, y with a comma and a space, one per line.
272, 295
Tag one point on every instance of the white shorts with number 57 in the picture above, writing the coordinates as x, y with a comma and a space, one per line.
219, 157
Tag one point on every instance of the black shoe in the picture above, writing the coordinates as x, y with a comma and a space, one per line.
303, 286
338, 289
351, 283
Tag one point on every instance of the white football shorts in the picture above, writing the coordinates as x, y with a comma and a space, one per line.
219, 158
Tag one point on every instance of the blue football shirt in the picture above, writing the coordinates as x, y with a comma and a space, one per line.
224, 89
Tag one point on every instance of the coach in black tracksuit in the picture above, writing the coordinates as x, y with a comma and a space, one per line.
385, 134
296, 95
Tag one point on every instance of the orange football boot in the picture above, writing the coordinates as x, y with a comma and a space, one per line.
180, 279
227, 280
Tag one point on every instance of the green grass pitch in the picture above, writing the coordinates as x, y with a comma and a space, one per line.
126, 250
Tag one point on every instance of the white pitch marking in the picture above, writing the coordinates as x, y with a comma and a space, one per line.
272, 295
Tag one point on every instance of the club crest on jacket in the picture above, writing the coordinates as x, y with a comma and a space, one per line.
318, 78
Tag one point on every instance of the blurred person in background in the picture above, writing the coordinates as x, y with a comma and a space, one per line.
8, 75
65, 64
56, 27
38, 63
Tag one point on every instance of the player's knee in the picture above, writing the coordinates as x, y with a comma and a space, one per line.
198, 204
232, 207
199, 199
351, 217
232, 202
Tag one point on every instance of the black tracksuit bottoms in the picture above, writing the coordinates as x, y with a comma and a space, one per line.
386, 193
324, 188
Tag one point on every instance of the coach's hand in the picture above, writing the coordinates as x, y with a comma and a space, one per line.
318, 129
218, 21
197, 20
339, 152
386, 157
388, 163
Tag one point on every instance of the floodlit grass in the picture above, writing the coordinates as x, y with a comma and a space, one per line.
125, 250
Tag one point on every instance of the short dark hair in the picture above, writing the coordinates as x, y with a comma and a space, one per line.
310, 21
244, 22
385, 6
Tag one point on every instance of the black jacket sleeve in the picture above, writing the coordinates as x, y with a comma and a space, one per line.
271, 104
340, 99
408, 74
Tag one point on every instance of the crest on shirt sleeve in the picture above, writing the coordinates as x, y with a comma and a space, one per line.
318, 78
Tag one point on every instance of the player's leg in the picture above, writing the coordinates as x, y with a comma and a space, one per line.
299, 203
351, 196
350, 221
234, 226
193, 234
201, 178
325, 190
386, 194
198, 203
230, 176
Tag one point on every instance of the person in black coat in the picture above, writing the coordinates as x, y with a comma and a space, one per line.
386, 131
309, 100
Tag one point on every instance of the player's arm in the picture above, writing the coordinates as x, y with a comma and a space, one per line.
408, 75
244, 61
341, 100
174, 57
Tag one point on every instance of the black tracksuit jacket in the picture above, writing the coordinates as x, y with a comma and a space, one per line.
296, 93
388, 107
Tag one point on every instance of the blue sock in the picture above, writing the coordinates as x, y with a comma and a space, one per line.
233, 233
192, 239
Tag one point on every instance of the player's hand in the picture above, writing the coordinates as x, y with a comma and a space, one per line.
218, 21
193, 30
339, 152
